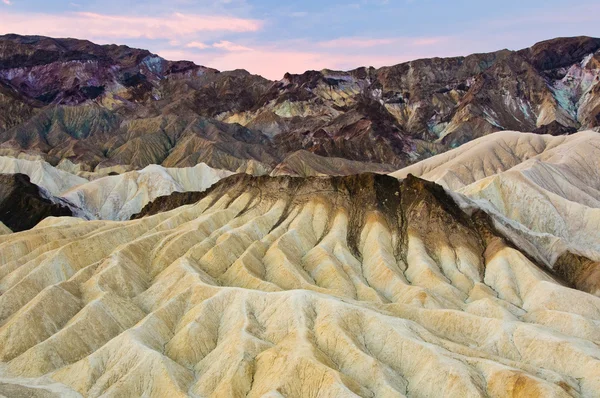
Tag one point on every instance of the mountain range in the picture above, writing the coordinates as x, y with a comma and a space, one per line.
115, 108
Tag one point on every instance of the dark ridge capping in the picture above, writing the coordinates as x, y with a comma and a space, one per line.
360, 193
369, 191
415, 189
168, 202
364, 193
579, 272
408, 203
352, 185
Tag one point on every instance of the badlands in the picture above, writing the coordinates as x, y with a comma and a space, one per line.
170, 230
364, 285
112, 197
542, 191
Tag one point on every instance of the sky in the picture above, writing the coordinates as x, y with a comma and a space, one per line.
271, 37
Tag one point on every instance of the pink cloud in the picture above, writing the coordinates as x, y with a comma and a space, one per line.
7, 2
197, 44
273, 61
229, 46
222, 45
268, 62
299, 56
94, 26
428, 41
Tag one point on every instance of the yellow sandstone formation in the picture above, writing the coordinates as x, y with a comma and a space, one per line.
282, 287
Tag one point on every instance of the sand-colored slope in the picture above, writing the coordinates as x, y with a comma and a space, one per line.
114, 197
41, 174
118, 197
4, 230
545, 189
269, 287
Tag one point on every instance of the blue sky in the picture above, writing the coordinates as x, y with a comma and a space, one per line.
271, 37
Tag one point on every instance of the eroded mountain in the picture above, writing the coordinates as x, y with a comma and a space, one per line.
105, 197
349, 286
542, 191
103, 107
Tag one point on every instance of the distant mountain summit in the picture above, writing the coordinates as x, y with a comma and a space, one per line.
103, 107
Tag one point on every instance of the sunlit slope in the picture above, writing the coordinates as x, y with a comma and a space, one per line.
113, 197
546, 189
118, 197
42, 174
322, 287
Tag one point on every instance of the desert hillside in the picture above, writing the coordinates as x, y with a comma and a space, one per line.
278, 286
542, 191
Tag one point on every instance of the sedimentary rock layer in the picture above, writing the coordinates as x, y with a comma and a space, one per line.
543, 191
104, 107
320, 287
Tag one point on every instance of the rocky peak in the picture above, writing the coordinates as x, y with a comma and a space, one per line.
560, 52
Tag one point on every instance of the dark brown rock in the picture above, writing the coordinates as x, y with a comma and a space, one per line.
23, 205
579, 271
168, 202
555, 128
